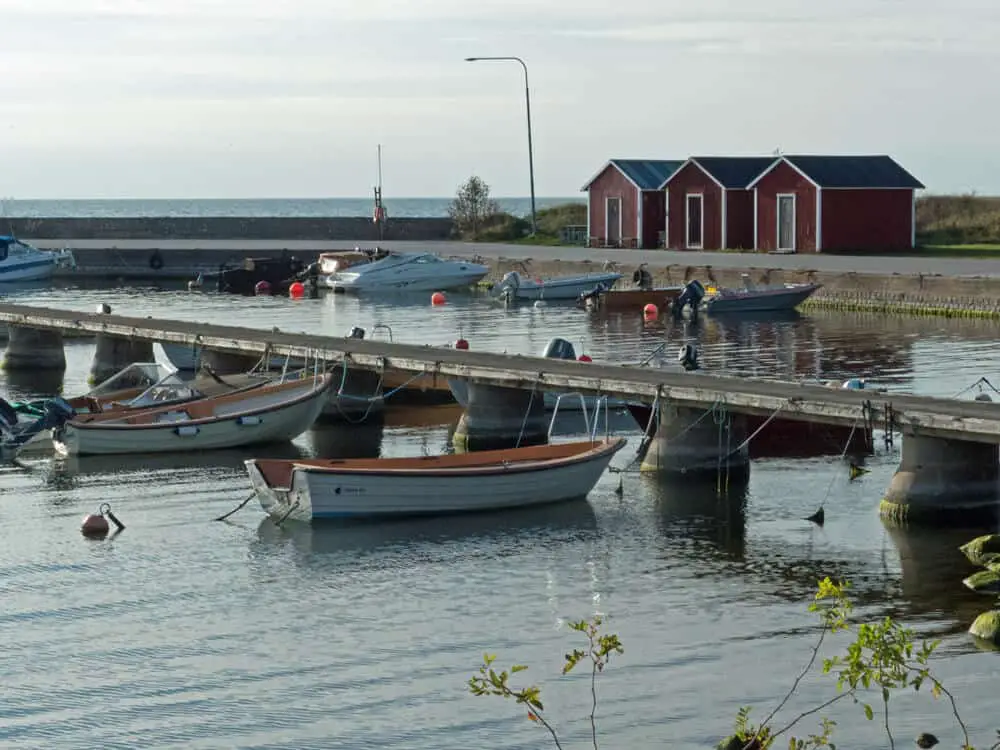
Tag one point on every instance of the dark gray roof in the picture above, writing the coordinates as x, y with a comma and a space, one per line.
648, 174
854, 171
734, 172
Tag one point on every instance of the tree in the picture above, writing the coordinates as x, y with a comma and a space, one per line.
472, 208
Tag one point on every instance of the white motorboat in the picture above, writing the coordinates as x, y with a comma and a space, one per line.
416, 272
19, 261
752, 298
276, 412
515, 286
450, 483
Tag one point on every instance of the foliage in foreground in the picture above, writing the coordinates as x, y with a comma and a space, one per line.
883, 659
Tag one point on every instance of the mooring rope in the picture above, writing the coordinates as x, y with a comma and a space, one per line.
527, 413
982, 381
371, 400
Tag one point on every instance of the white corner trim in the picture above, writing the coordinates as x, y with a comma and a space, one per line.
638, 219
756, 243
588, 218
725, 203
819, 220
913, 219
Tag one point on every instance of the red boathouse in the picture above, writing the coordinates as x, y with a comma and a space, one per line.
817, 203
709, 206
625, 204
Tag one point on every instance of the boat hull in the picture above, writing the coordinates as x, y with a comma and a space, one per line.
314, 494
260, 421
32, 270
561, 289
402, 284
762, 301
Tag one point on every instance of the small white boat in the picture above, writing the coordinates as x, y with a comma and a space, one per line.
19, 261
515, 286
415, 272
450, 483
752, 298
276, 412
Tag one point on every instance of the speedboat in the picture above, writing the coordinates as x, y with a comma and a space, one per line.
515, 286
416, 272
19, 261
752, 298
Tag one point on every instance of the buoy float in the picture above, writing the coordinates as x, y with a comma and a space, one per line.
650, 311
461, 344
584, 358
95, 524
262, 288
438, 298
296, 289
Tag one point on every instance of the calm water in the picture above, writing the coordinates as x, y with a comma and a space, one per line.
182, 632
395, 207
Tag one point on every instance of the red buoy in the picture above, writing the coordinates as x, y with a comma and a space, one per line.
95, 524
584, 358
650, 311
262, 288
296, 289
461, 344
438, 298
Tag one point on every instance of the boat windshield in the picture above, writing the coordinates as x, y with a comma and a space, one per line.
136, 375
167, 390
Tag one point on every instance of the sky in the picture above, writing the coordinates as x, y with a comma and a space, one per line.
289, 98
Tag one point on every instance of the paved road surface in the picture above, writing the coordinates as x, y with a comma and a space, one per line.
628, 258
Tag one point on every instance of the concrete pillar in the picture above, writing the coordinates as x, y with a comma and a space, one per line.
495, 417
34, 349
114, 353
355, 397
943, 479
228, 363
688, 441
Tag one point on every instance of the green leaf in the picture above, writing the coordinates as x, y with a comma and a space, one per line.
869, 714
517, 668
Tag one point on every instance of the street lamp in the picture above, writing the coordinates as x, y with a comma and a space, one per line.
527, 104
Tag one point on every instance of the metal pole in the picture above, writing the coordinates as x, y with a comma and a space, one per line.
527, 105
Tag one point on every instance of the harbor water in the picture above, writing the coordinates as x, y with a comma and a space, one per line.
184, 632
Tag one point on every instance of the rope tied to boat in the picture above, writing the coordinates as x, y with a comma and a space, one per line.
370, 399
527, 412
249, 497
291, 509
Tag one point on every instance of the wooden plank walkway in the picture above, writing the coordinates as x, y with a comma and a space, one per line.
938, 417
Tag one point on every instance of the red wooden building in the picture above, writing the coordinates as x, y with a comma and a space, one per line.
708, 204
817, 203
626, 206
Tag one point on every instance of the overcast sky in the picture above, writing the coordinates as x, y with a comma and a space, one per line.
288, 98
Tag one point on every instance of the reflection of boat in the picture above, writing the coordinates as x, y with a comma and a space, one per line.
752, 298
448, 483
19, 261
407, 272
276, 412
514, 286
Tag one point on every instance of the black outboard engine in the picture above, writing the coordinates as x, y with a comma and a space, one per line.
688, 357
642, 278
559, 348
594, 294
692, 294
356, 333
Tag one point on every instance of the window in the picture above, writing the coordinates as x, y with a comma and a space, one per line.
695, 220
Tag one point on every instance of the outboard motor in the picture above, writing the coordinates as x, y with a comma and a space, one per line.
509, 285
559, 348
692, 294
688, 357
356, 333
642, 278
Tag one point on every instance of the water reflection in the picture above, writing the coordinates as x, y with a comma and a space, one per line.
695, 517
347, 440
31, 384
345, 543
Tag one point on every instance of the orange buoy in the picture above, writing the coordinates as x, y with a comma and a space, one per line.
461, 344
438, 298
95, 524
650, 311
296, 289
584, 358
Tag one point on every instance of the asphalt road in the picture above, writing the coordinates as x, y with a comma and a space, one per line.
628, 258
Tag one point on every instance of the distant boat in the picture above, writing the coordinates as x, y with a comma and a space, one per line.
451, 483
414, 272
515, 286
20, 261
752, 298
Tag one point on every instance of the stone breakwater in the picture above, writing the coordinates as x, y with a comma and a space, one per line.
951, 296
227, 228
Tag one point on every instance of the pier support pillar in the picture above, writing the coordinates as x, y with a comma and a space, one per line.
228, 363
692, 442
354, 397
34, 349
496, 417
943, 479
114, 353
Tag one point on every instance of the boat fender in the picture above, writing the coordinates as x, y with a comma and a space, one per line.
356, 333
156, 260
688, 357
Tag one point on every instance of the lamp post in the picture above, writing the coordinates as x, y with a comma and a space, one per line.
527, 104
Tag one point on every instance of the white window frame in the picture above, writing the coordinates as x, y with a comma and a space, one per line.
688, 197
777, 221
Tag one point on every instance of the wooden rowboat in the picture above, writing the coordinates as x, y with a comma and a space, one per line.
276, 412
425, 485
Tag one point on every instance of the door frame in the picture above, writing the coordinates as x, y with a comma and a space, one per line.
607, 215
777, 221
688, 197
